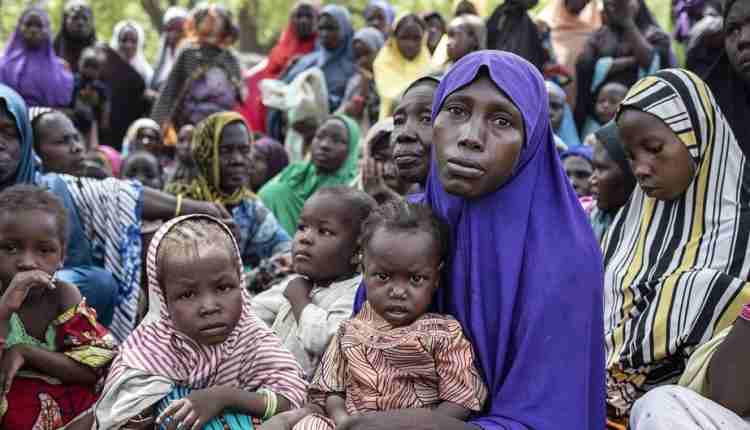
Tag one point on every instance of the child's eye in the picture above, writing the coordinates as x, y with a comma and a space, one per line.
187, 295
224, 288
417, 279
301, 227
326, 232
10, 249
382, 277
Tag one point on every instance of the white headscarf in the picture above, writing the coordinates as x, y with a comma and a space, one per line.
138, 61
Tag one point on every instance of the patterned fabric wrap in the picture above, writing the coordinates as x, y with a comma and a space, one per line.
676, 271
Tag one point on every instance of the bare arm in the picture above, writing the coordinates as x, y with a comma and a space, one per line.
728, 371
453, 410
249, 402
158, 205
642, 48
336, 409
58, 365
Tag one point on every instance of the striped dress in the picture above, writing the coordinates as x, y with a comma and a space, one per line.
378, 367
676, 271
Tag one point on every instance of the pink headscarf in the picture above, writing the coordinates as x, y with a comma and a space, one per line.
251, 358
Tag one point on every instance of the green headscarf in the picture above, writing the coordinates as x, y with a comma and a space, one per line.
286, 193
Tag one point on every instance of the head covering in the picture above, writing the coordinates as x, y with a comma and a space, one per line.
285, 194
205, 149
517, 317
250, 358
510, 28
17, 108
371, 37
65, 46
346, 32
289, 47
132, 134
211, 24
388, 10
582, 151
476, 26
138, 62
36, 74
568, 131
274, 154
175, 16
609, 136
393, 72
676, 271
684, 12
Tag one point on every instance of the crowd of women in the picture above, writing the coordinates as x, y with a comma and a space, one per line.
518, 222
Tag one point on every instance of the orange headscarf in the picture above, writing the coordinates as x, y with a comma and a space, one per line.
211, 24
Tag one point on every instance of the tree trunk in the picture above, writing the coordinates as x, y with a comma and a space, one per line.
155, 13
248, 25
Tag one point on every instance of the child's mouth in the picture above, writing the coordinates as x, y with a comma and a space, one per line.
214, 330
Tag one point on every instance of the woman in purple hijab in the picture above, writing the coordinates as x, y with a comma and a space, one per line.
525, 271
268, 157
30, 66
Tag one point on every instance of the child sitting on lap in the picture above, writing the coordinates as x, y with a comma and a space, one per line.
394, 354
52, 350
305, 310
200, 357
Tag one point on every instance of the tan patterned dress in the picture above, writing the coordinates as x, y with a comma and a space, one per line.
378, 367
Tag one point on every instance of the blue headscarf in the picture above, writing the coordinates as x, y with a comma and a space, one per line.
527, 291
388, 10
583, 151
567, 131
17, 108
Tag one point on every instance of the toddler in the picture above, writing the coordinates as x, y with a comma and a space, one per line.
145, 167
305, 310
52, 350
608, 99
90, 91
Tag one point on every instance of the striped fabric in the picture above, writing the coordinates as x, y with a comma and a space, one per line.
250, 359
382, 368
110, 212
676, 270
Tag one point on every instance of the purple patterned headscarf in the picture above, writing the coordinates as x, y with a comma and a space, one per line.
38, 75
525, 271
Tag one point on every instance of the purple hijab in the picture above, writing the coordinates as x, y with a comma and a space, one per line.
37, 75
525, 272
274, 153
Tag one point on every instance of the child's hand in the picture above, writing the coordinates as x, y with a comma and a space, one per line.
193, 412
298, 287
19, 288
12, 361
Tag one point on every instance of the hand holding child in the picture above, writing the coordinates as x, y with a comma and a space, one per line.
19, 288
192, 412
12, 361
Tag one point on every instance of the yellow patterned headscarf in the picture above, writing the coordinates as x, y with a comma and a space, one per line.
205, 149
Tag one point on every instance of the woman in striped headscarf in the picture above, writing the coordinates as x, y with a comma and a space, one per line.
676, 257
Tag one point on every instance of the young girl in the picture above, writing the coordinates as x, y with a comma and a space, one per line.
306, 309
394, 354
200, 351
44, 323
143, 166
608, 99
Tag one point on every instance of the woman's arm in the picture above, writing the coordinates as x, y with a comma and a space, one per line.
729, 370
158, 205
643, 50
58, 365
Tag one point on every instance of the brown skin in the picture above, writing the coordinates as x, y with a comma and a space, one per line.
10, 147
128, 43
330, 146
409, 34
620, 14
460, 42
147, 138
304, 19
737, 41
33, 31
608, 100
182, 148
31, 250
660, 161
144, 167
79, 24
556, 109
375, 17
59, 145
578, 170
608, 181
204, 299
575, 6
234, 157
478, 137
328, 32
435, 31
412, 133
728, 372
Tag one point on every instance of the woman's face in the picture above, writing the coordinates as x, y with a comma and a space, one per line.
608, 180
660, 161
33, 30
79, 24
10, 147
147, 138
737, 42
60, 145
578, 170
128, 43
304, 21
363, 55
409, 38
182, 149
374, 17
328, 32
556, 109
330, 146
478, 137
234, 157
412, 133
460, 42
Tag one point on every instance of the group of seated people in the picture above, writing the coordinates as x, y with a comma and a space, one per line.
387, 228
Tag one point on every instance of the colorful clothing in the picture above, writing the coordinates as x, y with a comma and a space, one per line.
36, 74
307, 338
676, 271
226, 421
287, 193
174, 18
157, 357
41, 402
393, 72
504, 275
130, 144
379, 367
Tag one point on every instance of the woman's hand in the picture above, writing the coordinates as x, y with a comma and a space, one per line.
374, 184
19, 288
194, 411
12, 361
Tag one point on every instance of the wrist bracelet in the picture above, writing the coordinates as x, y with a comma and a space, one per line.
272, 403
178, 207
745, 314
